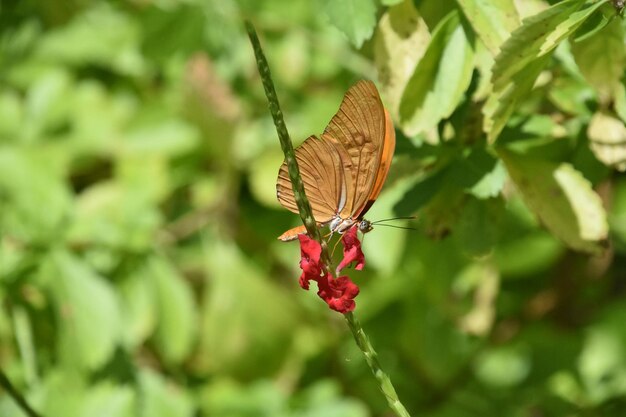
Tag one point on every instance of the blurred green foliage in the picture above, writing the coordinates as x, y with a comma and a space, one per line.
139, 269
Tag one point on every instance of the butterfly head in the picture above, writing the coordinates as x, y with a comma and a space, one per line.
365, 226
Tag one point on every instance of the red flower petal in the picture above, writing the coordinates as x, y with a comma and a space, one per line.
339, 293
351, 251
310, 252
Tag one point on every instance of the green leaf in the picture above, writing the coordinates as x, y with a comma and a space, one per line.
607, 139
503, 366
177, 321
28, 182
88, 311
478, 226
262, 171
139, 307
115, 216
620, 101
537, 36
569, 95
602, 60
478, 173
443, 211
529, 254
602, 361
102, 36
109, 400
482, 280
401, 40
160, 398
503, 101
11, 116
355, 18
99, 114
63, 393
440, 78
562, 198
169, 137
239, 294
617, 215
224, 396
421, 193
47, 103
524, 54
492, 20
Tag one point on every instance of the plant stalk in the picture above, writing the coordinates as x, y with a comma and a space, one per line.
371, 357
304, 208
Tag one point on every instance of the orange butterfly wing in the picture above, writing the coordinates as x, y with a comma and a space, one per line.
344, 170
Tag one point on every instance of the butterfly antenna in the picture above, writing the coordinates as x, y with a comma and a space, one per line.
397, 227
395, 218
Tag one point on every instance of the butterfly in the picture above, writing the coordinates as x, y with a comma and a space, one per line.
343, 169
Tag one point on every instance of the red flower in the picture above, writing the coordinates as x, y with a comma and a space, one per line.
351, 251
338, 293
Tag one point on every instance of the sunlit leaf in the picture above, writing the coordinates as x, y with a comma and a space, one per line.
169, 137
139, 307
562, 198
11, 116
28, 182
107, 400
103, 36
177, 321
355, 18
537, 36
440, 78
87, 308
161, 398
602, 59
107, 214
479, 173
493, 21
524, 54
602, 362
502, 102
47, 103
607, 139
263, 171
507, 366
401, 40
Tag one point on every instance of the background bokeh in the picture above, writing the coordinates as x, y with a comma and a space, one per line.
140, 273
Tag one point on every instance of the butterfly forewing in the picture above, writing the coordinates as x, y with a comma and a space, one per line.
359, 127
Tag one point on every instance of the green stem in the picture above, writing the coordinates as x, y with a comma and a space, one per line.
371, 357
306, 214
17, 396
304, 208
